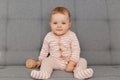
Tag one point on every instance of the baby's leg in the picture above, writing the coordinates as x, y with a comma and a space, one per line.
59, 64
45, 69
81, 71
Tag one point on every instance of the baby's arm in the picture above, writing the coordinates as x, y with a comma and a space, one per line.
75, 54
44, 52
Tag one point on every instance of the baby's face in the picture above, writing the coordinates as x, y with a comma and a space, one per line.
60, 24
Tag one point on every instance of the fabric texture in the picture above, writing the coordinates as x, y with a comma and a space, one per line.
51, 63
62, 49
65, 46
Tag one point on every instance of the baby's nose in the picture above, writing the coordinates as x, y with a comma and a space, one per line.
59, 25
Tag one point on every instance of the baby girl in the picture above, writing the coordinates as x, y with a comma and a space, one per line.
64, 49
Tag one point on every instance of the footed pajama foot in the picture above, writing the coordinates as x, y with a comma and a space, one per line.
83, 74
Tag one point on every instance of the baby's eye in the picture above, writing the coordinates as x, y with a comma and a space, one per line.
63, 23
55, 23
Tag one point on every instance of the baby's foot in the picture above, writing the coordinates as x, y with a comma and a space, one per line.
39, 75
83, 74
35, 74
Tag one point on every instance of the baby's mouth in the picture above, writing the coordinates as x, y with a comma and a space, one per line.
59, 29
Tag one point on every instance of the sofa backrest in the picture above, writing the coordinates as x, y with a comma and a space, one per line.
24, 23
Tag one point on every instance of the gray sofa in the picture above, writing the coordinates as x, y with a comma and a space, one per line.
24, 23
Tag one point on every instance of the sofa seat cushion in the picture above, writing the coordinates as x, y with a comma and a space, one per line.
21, 73
11, 78
106, 71
14, 72
106, 78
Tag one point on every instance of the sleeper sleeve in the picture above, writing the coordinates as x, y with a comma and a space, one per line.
44, 50
75, 49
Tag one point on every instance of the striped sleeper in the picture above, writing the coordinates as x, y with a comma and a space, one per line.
62, 49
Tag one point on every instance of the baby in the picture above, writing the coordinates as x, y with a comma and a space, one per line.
64, 49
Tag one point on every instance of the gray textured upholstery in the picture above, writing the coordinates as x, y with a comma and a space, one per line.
24, 23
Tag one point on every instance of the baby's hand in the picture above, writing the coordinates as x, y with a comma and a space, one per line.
38, 63
70, 66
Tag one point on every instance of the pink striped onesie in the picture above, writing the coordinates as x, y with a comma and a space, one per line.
62, 49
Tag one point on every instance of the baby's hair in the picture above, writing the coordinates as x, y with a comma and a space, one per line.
61, 10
